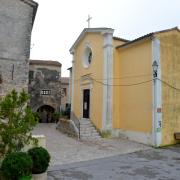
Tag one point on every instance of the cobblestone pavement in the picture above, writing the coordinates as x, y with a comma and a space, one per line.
152, 164
64, 149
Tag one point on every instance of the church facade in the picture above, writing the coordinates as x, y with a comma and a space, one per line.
130, 88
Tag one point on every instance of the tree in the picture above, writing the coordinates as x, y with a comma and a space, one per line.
16, 122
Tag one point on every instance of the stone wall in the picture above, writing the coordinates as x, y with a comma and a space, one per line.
68, 127
64, 93
45, 76
14, 75
16, 21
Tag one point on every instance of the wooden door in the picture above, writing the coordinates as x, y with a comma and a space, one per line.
86, 103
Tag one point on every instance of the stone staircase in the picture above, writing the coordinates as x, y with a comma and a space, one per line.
88, 131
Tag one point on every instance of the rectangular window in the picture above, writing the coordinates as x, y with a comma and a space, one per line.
64, 91
1, 80
45, 92
31, 76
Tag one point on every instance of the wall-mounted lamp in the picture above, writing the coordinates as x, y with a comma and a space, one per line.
155, 68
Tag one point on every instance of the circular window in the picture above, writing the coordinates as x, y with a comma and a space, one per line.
87, 59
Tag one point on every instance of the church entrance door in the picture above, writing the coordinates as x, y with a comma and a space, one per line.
86, 103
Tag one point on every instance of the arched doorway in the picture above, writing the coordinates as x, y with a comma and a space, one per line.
46, 114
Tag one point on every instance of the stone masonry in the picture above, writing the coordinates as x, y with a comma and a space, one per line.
45, 87
64, 92
16, 22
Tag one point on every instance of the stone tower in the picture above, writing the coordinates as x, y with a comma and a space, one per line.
16, 22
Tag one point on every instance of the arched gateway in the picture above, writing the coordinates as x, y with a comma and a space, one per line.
46, 114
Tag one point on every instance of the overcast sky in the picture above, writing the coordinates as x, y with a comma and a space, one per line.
58, 23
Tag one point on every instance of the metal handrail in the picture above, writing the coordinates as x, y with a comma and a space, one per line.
76, 122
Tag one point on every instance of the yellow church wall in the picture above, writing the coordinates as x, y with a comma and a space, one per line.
116, 90
132, 105
170, 72
94, 71
117, 43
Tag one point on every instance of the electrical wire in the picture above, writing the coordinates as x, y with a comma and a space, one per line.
167, 84
133, 84
123, 77
126, 77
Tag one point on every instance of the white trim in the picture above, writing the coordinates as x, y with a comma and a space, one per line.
87, 85
107, 76
85, 62
72, 86
88, 30
129, 44
157, 95
145, 138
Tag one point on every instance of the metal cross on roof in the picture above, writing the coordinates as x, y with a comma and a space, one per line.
88, 20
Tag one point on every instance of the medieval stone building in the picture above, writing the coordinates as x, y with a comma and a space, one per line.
45, 88
16, 22
64, 93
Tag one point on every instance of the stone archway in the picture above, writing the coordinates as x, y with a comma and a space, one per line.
46, 114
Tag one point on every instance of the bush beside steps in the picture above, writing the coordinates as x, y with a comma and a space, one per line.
22, 165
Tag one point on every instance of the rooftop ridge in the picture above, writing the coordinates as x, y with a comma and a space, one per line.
45, 62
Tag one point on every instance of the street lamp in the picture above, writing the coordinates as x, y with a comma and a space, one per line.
155, 68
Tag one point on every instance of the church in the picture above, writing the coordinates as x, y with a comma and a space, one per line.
128, 88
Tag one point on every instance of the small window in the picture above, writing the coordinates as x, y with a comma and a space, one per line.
64, 91
87, 57
1, 80
31, 76
46, 92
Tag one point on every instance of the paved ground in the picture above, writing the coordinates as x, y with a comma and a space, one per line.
64, 149
73, 160
153, 164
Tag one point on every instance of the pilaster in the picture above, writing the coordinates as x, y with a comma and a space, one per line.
107, 80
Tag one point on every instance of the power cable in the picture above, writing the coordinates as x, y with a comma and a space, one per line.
167, 84
133, 84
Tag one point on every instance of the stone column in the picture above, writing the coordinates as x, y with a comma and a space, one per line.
72, 84
108, 81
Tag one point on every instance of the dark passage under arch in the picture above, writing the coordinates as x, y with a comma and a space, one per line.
46, 114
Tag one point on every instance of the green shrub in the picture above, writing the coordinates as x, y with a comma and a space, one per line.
16, 165
25, 178
16, 122
67, 112
40, 158
56, 116
105, 133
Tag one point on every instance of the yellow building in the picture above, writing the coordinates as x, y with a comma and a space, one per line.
116, 86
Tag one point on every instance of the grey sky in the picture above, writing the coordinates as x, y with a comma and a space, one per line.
59, 22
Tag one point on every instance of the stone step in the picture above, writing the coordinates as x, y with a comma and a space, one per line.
87, 130
82, 122
86, 125
90, 132
91, 138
